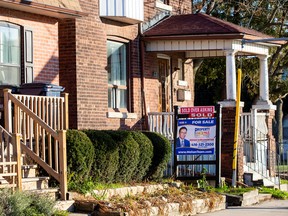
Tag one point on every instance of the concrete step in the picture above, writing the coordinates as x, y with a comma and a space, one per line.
33, 183
52, 193
264, 197
29, 170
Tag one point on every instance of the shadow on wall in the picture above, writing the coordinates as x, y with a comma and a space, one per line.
138, 125
50, 72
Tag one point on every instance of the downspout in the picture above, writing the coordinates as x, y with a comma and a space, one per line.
144, 108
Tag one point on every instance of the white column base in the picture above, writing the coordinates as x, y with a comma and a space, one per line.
230, 103
264, 105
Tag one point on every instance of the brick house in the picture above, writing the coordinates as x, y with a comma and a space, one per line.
114, 63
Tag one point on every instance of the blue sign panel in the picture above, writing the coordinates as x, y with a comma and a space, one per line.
196, 136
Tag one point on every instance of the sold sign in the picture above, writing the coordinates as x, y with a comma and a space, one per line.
198, 111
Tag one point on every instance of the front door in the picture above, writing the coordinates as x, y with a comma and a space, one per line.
163, 67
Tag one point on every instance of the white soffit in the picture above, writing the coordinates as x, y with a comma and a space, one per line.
206, 48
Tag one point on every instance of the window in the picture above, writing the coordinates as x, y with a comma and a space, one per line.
180, 70
16, 54
117, 74
165, 1
10, 54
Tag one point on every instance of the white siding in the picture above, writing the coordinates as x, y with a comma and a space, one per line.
127, 11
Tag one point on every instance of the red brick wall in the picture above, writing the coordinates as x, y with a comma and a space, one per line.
67, 54
228, 123
45, 42
271, 144
83, 70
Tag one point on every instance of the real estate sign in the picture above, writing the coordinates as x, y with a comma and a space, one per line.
201, 133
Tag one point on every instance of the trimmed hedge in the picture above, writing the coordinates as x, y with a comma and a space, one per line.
80, 156
161, 155
106, 156
145, 156
128, 155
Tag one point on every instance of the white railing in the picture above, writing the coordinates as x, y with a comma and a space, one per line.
162, 122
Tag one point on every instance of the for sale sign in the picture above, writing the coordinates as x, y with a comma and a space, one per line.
196, 136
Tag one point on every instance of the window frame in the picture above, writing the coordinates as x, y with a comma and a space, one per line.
115, 87
26, 55
18, 65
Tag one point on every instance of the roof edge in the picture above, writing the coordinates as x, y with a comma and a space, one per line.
49, 10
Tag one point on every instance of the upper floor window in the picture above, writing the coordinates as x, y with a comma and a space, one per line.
163, 5
117, 75
165, 1
10, 54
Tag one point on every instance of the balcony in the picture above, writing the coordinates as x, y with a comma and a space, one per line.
126, 11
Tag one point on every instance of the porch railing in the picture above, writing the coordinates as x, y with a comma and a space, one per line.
259, 158
41, 123
162, 122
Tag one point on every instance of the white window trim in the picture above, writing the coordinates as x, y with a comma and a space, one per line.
122, 115
163, 6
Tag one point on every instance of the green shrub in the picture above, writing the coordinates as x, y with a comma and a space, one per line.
80, 156
161, 155
276, 193
128, 155
106, 156
24, 203
145, 156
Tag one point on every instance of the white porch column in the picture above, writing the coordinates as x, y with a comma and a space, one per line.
230, 75
264, 81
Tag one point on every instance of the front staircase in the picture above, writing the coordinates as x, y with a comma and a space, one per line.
260, 156
33, 142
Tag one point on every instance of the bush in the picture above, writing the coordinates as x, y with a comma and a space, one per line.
145, 156
23, 203
161, 155
128, 155
106, 156
80, 156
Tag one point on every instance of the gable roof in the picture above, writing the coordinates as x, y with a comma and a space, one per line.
200, 26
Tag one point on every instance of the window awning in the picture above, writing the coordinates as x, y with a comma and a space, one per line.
58, 8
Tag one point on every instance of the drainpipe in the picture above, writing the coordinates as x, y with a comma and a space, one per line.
144, 108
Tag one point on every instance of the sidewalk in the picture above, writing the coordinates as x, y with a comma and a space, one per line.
268, 208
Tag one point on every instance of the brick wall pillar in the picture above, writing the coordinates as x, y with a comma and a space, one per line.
227, 142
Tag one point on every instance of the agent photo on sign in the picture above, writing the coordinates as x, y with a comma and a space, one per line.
181, 142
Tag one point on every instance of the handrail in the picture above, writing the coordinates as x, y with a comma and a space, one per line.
258, 157
40, 141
